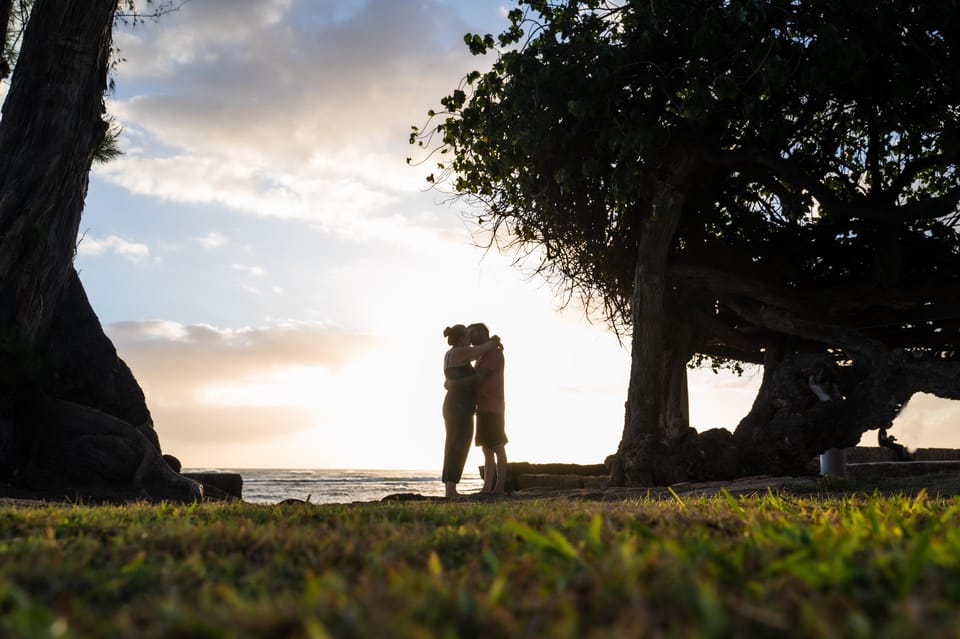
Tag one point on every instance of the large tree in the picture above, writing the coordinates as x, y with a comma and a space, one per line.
771, 182
73, 420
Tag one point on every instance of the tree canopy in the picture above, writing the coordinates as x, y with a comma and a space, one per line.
826, 142
809, 151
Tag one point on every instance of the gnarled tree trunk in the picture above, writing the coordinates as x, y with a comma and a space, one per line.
72, 418
654, 377
788, 426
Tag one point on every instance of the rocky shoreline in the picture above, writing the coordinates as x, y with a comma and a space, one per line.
937, 469
216, 486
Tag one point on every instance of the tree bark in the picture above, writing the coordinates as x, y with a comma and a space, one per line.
81, 365
73, 420
645, 430
675, 402
52, 124
788, 427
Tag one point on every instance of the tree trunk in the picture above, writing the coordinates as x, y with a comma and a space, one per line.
52, 124
788, 426
773, 434
653, 376
81, 365
675, 402
71, 414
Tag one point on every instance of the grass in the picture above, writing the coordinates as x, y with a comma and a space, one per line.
770, 565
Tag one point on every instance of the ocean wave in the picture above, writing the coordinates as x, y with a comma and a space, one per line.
270, 486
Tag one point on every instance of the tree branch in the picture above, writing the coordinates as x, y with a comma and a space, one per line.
950, 155
860, 208
733, 281
164, 8
784, 168
5, 7
830, 335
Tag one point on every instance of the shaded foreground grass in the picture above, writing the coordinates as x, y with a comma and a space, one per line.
769, 565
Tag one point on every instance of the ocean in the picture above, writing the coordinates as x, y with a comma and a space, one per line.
263, 486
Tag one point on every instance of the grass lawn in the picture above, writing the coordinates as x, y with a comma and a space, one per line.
845, 564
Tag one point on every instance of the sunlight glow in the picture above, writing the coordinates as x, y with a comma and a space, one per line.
300, 386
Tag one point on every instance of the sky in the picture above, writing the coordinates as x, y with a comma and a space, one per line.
278, 278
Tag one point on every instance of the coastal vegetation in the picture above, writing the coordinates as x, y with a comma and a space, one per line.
831, 562
726, 183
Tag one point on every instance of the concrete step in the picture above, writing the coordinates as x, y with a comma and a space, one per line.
862, 470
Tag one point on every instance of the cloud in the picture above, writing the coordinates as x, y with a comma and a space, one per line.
206, 384
183, 357
133, 251
254, 271
252, 290
191, 425
346, 205
313, 130
198, 30
341, 78
211, 240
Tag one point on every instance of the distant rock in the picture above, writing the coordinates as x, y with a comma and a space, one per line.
406, 497
173, 462
219, 486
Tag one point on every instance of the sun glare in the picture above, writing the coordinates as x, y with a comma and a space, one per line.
295, 386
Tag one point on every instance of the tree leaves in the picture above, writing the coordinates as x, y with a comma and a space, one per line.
478, 45
814, 139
